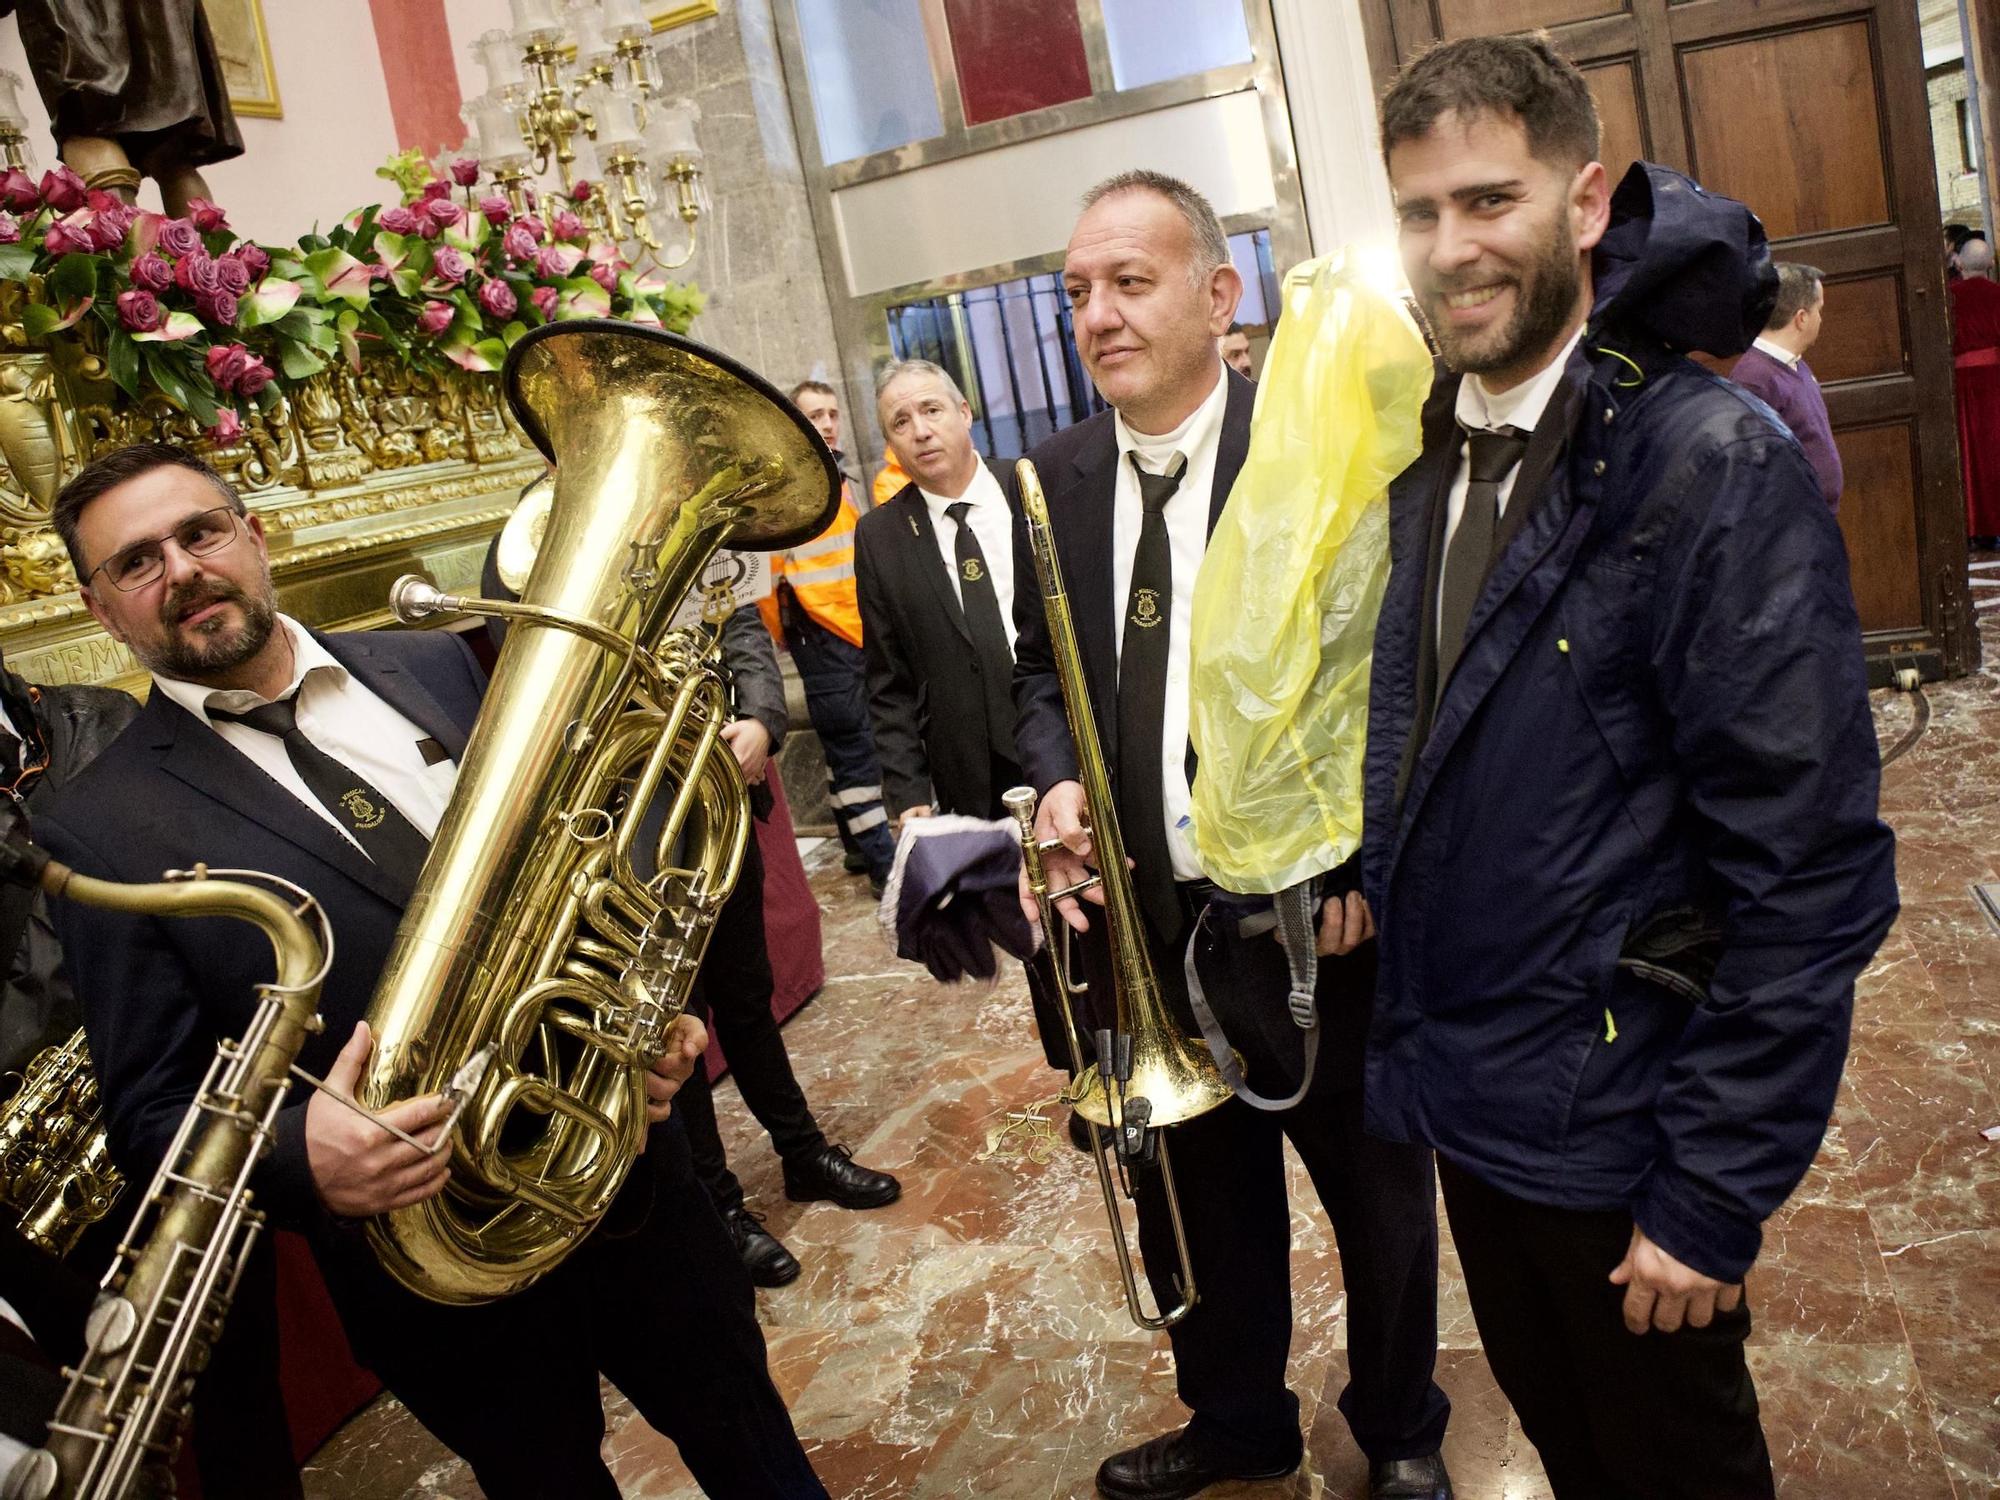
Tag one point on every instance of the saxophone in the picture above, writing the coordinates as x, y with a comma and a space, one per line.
555, 921
168, 1289
55, 1160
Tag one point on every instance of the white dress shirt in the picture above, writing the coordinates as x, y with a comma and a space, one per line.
341, 717
992, 527
7, 724
1479, 408
1779, 352
1197, 439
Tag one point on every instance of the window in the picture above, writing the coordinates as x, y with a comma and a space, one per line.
1014, 56
870, 67
1146, 48
1968, 138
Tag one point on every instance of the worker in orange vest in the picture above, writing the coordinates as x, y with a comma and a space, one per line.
812, 610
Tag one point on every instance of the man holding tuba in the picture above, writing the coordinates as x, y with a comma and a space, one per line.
329, 760
1132, 495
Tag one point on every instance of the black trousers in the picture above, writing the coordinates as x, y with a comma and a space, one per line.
1229, 1171
656, 1299
1615, 1416
733, 993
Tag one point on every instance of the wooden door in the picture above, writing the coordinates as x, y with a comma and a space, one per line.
1813, 113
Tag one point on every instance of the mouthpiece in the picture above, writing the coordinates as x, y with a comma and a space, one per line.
413, 598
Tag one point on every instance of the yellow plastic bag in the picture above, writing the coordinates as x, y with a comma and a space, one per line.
1285, 604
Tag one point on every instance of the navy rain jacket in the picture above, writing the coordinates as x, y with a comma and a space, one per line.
1661, 704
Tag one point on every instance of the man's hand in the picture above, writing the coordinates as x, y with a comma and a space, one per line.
1063, 815
1343, 926
687, 1039
1662, 1293
750, 742
904, 818
357, 1166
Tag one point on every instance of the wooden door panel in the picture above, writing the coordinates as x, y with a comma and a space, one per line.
1863, 333
1878, 518
1789, 124
1485, 17
1615, 87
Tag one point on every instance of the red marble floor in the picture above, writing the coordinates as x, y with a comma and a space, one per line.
966, 1341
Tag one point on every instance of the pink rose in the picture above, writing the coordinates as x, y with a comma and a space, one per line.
63, 190
219, 308
437, 187
206, 216
256, 375
581, 192
549, 263
519, 243
228, 426
106, 231
450, 265
178, 237
70, 235
605, 276
256, 260
18, 191
535, 227
398, 220
465, 171
497, 299
139, 311
226, 364
493, 206
10, 229
434, 319
544, 298
198, 274
152, 273
567, 226
443, 212
232, 275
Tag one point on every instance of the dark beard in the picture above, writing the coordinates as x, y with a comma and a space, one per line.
1541, 312
204, 655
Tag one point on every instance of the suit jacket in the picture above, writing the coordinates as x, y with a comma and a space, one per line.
925, 699
159, 993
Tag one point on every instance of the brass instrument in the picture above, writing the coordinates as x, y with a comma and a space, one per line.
169, 1287
1148, 1075
532, 927
55, 1160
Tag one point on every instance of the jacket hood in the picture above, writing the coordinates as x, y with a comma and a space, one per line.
1687, 266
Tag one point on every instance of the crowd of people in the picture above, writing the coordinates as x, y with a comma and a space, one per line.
1592, 968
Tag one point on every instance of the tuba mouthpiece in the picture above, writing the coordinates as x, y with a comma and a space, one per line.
413, 598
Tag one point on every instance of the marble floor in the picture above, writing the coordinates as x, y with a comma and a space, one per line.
966, 1342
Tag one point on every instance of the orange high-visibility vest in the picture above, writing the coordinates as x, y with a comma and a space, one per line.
889, 483
821, 573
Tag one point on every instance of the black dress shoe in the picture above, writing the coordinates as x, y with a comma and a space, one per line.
1170, 1467
855, 863
832, 1173
1410, 1479
764, 1256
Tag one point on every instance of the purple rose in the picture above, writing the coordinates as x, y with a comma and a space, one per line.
152, 273
465, 171
443, 212
519, 243
497, 299
206, 216
256, 260
567, 226
232, 275
63, 190
219, 308
551, 264
140, 311
18, 191
397, 220
226, 364
10, 229
434, 319
450, 265
105, 231
436, 188
256, 375
544, 298
198, 274
67, 236
493, 206
535, 227
605, 276
178, 237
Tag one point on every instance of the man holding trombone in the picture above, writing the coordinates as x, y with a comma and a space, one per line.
1131, 497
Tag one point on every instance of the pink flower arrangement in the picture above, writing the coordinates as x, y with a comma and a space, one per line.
493, 206
519, 243
235, 369
435, 318
18, 191
497, 299
398, 220
140, 311
206, 216
436, 188
178, 237
227, 427
443, 212
69, 236
465, 171
567, 226
63, 190
152, 273
544, 298
449, 265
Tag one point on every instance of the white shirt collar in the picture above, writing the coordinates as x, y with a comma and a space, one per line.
982, 489
1520, 407
1201, 425
308, 656
1778, 352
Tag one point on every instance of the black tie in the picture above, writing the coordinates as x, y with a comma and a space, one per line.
1142, 702
1470, 554
994, 659
384, 834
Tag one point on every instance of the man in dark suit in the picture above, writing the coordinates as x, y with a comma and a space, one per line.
252, 723
1132, 495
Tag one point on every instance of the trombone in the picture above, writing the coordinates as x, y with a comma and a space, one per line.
1148, 1075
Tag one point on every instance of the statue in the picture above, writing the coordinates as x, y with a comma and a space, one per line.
133, 88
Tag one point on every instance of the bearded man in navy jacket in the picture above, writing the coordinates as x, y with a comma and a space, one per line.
1622, 842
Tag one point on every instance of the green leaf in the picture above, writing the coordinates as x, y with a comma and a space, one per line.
513, 331
192, 394
270, 302
298, 361
179, 325
16, 261
125, 364
75, 276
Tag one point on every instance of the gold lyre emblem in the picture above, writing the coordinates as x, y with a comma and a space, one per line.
1146, 608
970, 570
365, 813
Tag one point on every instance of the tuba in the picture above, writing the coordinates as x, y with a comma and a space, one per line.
56, 1174
1148, 1075
554, 920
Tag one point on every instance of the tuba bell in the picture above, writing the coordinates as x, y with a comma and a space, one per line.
551, 921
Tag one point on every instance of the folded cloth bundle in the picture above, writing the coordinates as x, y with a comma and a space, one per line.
953, 894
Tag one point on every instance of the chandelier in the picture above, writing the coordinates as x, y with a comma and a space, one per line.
574, 90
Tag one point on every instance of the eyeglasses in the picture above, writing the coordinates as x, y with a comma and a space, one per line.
132, 568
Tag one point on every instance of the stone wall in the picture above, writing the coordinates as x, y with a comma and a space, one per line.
1958, 185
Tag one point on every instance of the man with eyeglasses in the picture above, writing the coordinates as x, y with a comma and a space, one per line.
328, 760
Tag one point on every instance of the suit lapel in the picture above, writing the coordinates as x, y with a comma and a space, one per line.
382, 675
928, 561
1233, 445
1087, 511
